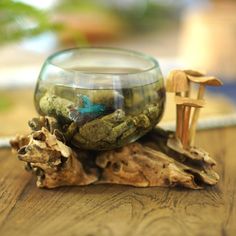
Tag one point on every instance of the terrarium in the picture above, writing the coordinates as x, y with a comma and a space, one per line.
98, 111
102, 98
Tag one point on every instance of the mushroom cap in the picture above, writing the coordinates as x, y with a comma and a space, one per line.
194, 72
198, 103
206, 80
177, 81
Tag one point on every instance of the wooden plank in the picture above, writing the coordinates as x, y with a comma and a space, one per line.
13, 180
121, 210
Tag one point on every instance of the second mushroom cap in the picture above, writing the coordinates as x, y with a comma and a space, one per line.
206, 80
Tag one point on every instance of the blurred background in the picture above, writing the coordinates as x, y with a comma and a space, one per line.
180, 34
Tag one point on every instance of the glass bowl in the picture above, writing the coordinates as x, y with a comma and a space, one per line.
102, 98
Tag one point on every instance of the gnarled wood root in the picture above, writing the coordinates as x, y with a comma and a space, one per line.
54, 163
157, 159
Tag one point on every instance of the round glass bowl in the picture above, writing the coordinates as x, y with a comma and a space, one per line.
104, 98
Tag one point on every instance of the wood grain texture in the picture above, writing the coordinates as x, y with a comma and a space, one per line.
121, 210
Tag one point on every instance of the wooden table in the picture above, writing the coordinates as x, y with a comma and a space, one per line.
121, 210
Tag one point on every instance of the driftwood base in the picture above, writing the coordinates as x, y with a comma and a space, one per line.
157, 159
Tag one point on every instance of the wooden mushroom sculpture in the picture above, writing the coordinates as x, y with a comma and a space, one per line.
202, 80
177, 82
187, 104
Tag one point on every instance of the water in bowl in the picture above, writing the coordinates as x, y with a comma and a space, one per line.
104, 115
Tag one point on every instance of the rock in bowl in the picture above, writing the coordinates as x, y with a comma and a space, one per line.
101, 98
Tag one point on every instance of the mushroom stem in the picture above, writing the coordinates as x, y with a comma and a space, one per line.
193, 127
179, 119
185, 131
188, 92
